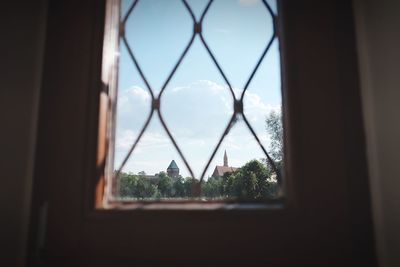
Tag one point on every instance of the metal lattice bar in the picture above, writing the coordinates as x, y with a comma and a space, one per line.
226, 132
256, 67
238, 103
217, 65
138, 67
135, 143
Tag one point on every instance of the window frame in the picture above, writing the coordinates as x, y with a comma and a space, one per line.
322, 219
106, 135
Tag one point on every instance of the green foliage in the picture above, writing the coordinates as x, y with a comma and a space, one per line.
178, 188
165, 185
275, 130
213, 187
139, 186
144, 189
254, 181
128, 184
136, 186
187, 185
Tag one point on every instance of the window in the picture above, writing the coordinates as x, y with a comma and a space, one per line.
325, 219
213, 82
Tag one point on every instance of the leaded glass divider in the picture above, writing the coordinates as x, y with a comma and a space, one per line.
238, 108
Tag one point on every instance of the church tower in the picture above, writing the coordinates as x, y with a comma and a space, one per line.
173, 170
225, 160
220, 170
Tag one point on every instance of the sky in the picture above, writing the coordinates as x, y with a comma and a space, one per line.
196, 104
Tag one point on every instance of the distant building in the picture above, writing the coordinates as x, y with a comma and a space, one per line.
173, 170
219, 171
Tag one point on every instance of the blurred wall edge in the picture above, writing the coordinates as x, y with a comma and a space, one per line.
22, 39
378, 40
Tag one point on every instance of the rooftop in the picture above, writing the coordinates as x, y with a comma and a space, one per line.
173, 165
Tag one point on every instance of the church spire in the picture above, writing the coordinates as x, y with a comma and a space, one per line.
225, 160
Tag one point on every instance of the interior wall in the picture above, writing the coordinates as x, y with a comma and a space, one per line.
22, 45
378, 37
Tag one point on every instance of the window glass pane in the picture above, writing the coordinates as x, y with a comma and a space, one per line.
198, 112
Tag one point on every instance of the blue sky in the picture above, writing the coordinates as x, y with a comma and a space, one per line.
196, 104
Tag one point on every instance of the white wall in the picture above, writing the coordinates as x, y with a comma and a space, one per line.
21, 45
378, 37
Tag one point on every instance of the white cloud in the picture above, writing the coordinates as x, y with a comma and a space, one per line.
227, 104
133, 107
196, 115
140, 92
255, 108
196, 142
231, 143
131, 98
202, 89
180, 88
149, 140
201, 84
125, 140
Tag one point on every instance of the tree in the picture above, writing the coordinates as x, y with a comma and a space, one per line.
275, 130
187, 184
178, 188
144, 189
213, 187
134, 186
165, 185
252, 181
127, 184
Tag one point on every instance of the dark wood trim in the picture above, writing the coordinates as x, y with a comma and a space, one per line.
288, 114
359, 196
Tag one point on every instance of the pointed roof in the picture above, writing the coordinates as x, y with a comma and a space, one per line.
220, 170
225, 159
173, 165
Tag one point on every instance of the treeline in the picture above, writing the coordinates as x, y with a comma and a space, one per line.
252, 181
140, 186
